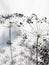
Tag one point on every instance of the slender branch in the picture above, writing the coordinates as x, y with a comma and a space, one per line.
10, 42
37, 50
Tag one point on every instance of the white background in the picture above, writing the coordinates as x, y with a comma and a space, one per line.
26, 7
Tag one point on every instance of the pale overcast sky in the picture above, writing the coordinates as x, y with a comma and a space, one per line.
26, 7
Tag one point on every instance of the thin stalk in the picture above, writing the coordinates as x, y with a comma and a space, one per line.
10, 43
37, 50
